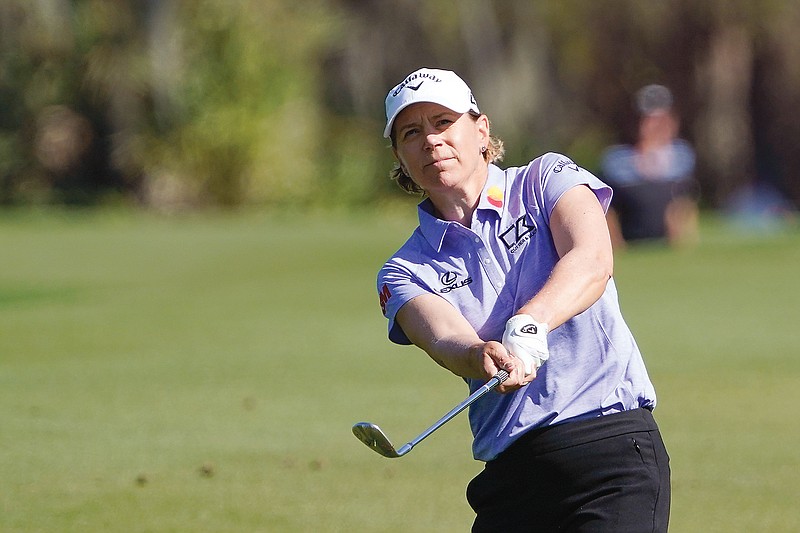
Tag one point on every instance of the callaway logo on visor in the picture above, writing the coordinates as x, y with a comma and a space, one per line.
412, 77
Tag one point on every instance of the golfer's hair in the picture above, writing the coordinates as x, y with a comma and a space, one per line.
493, 154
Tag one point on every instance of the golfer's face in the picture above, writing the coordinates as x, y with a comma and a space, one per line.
438, 147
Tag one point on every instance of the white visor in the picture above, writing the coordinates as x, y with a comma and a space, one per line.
441, 87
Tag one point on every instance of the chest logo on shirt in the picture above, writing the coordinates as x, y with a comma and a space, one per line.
519, 233
494, 195
451, 281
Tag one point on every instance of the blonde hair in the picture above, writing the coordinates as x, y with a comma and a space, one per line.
493, 154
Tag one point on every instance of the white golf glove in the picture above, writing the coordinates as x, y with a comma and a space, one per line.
526, 339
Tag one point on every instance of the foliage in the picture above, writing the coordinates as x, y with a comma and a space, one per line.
243, 113
177, 103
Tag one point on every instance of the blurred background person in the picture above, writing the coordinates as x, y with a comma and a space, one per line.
655, 193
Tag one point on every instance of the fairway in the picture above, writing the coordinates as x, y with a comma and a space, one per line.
202, 372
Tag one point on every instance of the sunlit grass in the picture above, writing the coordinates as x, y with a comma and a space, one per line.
201, 373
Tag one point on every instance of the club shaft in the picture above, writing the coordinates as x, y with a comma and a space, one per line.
498, 378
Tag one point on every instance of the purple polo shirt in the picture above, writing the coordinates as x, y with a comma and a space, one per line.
489, 271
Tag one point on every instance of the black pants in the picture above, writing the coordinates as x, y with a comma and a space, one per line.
607, 474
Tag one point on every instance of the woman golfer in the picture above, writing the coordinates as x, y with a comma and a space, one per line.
512, 269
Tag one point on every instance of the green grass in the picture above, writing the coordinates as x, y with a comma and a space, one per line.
201, 373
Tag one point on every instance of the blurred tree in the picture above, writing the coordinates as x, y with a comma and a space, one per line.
238, 114
210, 102
52, 135
179, 102
561, 75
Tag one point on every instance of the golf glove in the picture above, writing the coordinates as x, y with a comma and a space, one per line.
526, 340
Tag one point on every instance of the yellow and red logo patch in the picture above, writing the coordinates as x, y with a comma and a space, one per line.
494, 195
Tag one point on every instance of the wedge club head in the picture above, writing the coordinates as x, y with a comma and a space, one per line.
374, 437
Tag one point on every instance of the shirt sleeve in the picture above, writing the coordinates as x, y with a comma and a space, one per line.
556, 174
397, 285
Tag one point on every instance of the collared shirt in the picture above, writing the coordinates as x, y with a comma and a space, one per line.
491, 269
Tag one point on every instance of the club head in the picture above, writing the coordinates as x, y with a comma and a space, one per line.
375, 438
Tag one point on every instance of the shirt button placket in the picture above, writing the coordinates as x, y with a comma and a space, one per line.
488, 265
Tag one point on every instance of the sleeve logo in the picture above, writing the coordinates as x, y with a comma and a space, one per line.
568, 163
384, 296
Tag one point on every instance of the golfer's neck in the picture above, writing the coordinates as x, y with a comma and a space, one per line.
458, 204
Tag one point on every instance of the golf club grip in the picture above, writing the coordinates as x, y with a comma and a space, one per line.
501, 376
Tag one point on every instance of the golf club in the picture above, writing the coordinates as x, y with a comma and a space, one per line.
375, 438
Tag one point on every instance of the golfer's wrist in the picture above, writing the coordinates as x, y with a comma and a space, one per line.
540, 318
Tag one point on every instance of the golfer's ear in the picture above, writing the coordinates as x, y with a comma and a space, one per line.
484, 128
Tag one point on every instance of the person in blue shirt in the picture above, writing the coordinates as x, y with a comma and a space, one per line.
655, 193
512, 269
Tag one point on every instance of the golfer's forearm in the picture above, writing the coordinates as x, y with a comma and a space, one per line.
574, 285
578, 279
432, 323
461, 355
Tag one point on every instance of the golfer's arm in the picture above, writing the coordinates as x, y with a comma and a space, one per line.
435, 326
586, 263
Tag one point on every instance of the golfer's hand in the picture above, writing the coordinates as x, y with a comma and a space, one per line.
495, 357
526, 340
